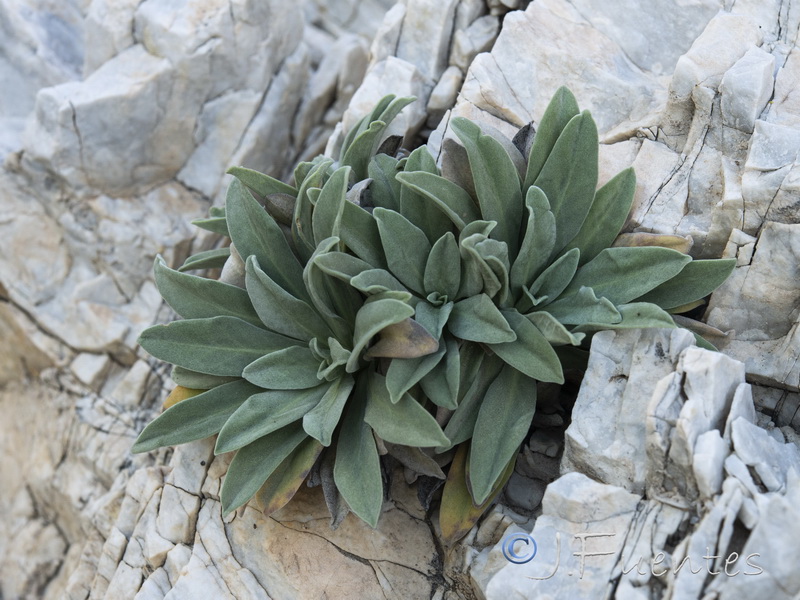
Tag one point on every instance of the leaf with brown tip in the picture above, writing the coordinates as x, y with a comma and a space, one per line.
458, 514
663, 240
178, 394
406, 339
282, 485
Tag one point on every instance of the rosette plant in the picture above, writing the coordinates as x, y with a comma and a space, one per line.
382, 308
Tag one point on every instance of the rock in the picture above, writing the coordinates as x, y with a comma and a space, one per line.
770, 460
746, 87
387, 36
341, 17
578, 515
477, 38
109, 31
709, 454
764, 311
607, 433
444, 95
425, 36
725, 40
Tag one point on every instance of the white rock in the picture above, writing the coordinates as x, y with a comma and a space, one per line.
425, 36
767, 338
741, 407
746, 87
710, 451
90, 368
478, 37
771, 460
444, 94
384, 44
785, 107
723, 42
606, 438
109, 30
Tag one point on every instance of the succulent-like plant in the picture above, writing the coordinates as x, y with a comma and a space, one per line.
384, 308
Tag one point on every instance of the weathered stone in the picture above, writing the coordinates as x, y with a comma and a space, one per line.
607, 433
477, 38
444, 94
425, 36
109, 31
746, 87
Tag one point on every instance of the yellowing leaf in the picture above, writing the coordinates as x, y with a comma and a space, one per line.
407, 339
178, 394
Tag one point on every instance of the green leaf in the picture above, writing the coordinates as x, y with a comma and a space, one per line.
433, 318
214, 225
606, 217
376, 281
406, 248
503, 422
405, 373
359, 232
553, 331
216, 346
443, 269
208, 259
584, 307
385, 187
462, 423
195, 418
321, 421
254, 463
302, 226
357, 472
442, 383
341, 265
636, 315
265, 413
555, 278
497, 183
695, 281
195, 297
324, 296
370, 320
623, 274
416, 207
401, 422
530, 353
569, 177
256, 233
279, 310
479, 320
327, 215
456, 203
197, 381
293, 368
286, 479
561, 109
415, 459
457, 513
261, 184
361, 150
538, 242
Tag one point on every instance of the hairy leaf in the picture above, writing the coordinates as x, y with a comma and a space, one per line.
479, 320
261, 184
216, 346
503, 422
538, 242
195, 418
264, 413
416, 207
635, 315
327, 215
197, 381
286, 479
385, 187
404, 340
406, 248
321, 421
359, 232
555, 278
561, 109
293, 368
530, 352
370, 320
254, 463
445, 195
443, 269
208, 259
695, 281
584, 307
442, 383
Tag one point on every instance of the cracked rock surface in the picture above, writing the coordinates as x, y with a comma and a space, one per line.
117, 122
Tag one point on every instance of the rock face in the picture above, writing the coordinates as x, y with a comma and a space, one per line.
117, 122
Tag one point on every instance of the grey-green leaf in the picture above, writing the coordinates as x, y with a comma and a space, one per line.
405, 373
208, 259
553, 330
279, 310
327, 216
479, 320
584, 307
370, 320
198, 381
555, 278
403, 422
261, 184
254, 232
443, 269
503, 422
623, 274
254, 463
195, 418
357, 471
385, 187
559, 112
636, 315
448, 197
606, 217
497, 182
530, 353
406, 247
195, 297
321, 421
293, 368
442, 383
265, 413
216, 346
695, 281
538, 242
416, 207
359, 232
